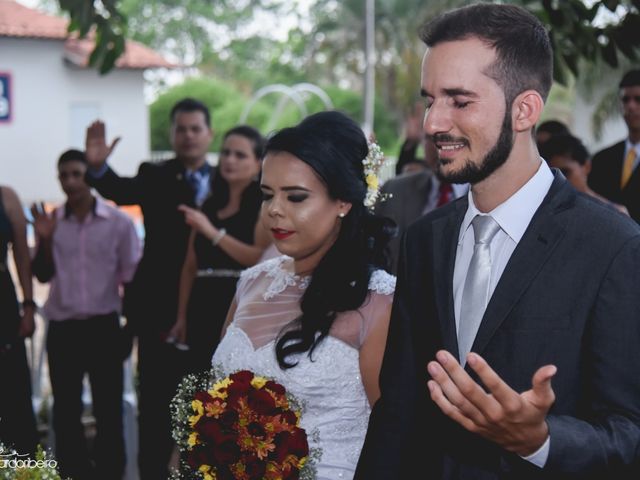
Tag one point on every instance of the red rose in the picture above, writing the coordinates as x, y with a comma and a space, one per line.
254, 467
240, 386
298, 443
291, 444
228, 419
224, 473
289, 417
204, 397
199, 455
256, 430
281, 441
291, 474
275, 387
212, 431
242, 376
226, 453
261, 402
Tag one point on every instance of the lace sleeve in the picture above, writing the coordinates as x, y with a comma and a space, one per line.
382, 285
250, 274
353, 327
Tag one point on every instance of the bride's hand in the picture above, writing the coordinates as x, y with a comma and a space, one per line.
178, 332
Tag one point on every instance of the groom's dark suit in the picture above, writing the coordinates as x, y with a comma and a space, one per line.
568, 297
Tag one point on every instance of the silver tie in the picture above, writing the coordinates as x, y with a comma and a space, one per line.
475, 295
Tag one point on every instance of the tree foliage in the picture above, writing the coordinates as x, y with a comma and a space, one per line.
226, 103
234, 40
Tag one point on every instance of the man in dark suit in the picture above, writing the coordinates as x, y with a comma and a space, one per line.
513, 344
614, 173
151, 298
414, 191
408, 196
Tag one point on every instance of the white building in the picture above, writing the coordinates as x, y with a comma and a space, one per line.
48, 97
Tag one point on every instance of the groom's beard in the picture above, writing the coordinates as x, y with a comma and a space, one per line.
473, 173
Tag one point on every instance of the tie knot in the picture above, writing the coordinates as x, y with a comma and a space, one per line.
484, 228
193, 179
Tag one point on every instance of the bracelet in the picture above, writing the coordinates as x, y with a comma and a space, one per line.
219, 236
28, 303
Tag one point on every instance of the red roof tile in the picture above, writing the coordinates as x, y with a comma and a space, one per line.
19, 21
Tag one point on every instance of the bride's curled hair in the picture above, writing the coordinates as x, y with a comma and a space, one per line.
334, 146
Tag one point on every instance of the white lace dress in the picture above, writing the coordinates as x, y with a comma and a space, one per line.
336, 405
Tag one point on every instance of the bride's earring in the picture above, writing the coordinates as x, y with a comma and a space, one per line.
341, 214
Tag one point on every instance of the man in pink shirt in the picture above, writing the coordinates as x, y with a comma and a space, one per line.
86, 250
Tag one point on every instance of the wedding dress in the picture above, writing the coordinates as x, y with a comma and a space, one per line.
329, 384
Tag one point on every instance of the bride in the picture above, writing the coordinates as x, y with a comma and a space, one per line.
316, 319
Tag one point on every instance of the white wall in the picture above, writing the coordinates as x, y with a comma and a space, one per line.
50, 100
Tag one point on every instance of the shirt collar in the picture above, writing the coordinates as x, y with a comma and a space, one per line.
515, 214
200, 172
98, 209
628, 146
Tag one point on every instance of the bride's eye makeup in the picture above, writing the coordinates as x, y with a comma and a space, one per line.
266, 196
298, 198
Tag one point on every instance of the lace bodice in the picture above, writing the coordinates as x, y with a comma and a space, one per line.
330, 385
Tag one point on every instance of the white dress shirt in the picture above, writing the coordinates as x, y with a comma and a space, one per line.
513, 216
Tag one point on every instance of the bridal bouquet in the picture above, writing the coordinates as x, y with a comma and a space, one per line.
239, 427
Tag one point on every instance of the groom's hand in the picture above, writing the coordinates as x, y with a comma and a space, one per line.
515, 421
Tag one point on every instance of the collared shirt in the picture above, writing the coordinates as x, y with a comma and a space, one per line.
199, 179
628, 146
513, 216
458, 190
92, 258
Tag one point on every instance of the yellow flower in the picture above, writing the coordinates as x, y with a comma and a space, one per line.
215, 390
194, 419
372, 181
207, 473
301, 462
197, 407
193, 439
258, 382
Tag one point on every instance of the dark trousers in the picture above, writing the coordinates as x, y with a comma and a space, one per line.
76, 347
160, 367
17, 422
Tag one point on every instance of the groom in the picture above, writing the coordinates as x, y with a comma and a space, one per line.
514, 345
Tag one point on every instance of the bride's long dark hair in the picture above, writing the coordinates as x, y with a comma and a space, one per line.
334, 146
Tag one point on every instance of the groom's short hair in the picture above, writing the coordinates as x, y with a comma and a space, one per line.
522, 45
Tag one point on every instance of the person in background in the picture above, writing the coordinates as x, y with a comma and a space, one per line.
614, 173
87, 250
548, 129
411, 194
570, 156
226, 238
17, 421
151, 300
408, 161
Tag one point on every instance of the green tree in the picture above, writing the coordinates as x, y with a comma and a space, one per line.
226, 103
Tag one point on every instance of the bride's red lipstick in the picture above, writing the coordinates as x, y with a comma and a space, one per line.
280, 234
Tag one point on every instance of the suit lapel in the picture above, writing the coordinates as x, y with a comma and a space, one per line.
532, 252
445, 242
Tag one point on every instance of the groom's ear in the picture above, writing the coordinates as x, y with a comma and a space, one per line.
526, 110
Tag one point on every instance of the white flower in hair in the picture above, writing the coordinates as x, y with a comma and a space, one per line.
373, 163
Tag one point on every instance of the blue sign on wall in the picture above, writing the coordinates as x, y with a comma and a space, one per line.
5, 97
